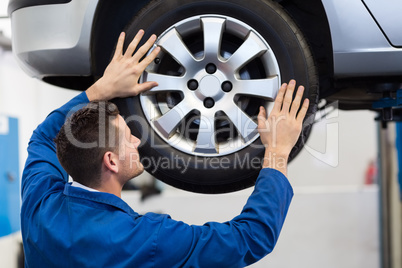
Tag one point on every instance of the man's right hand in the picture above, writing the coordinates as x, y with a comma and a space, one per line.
281, 130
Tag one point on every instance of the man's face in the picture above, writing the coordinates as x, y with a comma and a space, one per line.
128, 152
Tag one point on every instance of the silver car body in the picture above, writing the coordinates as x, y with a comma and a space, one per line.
357, 37
362, 31
58, 48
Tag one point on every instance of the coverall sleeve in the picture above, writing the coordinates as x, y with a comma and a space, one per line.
240, 242
42, 166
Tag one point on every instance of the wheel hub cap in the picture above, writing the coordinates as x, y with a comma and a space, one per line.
210, 86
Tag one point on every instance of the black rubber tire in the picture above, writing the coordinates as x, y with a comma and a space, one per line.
238, 170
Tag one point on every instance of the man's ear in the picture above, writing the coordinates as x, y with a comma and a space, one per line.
110, 161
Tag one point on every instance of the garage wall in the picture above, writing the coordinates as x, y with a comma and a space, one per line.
29, 101
26, 98
332, 221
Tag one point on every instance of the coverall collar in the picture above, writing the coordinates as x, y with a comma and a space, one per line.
99, 197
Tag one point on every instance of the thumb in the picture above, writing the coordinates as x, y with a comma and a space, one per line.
262, 117
140, 88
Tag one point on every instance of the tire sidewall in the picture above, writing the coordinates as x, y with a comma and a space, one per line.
238, 170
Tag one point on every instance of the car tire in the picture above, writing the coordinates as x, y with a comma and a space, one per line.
212, 170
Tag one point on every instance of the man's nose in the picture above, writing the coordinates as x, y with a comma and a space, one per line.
137, 141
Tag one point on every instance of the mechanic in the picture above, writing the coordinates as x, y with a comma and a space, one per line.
87, 224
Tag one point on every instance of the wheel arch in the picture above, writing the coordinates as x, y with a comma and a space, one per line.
308, 14
106, 29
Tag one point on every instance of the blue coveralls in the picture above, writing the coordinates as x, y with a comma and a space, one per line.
66, 226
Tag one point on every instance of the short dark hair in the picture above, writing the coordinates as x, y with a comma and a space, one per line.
84, 139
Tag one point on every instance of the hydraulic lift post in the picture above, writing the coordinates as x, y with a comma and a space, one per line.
389, 195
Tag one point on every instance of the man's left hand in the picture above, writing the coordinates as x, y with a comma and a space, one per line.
123, 72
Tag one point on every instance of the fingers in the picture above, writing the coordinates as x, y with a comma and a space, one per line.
287, 100
141, 65
262, 117
148, 59
119, 47
144, 48
263, 125
284, 101
145, 87
303, 110
279, 98
132, 46
134, 43
296, 102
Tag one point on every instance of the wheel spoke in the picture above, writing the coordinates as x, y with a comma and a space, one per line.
206, 136
250, 49
168, 122
174, 45
243, 123
262, 88
213, 30
166, 82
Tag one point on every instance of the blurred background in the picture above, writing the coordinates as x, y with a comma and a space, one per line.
332, 222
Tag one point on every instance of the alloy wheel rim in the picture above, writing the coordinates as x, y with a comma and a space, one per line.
213, 73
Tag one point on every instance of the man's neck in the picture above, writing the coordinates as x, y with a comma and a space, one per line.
79, 185
111, 186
